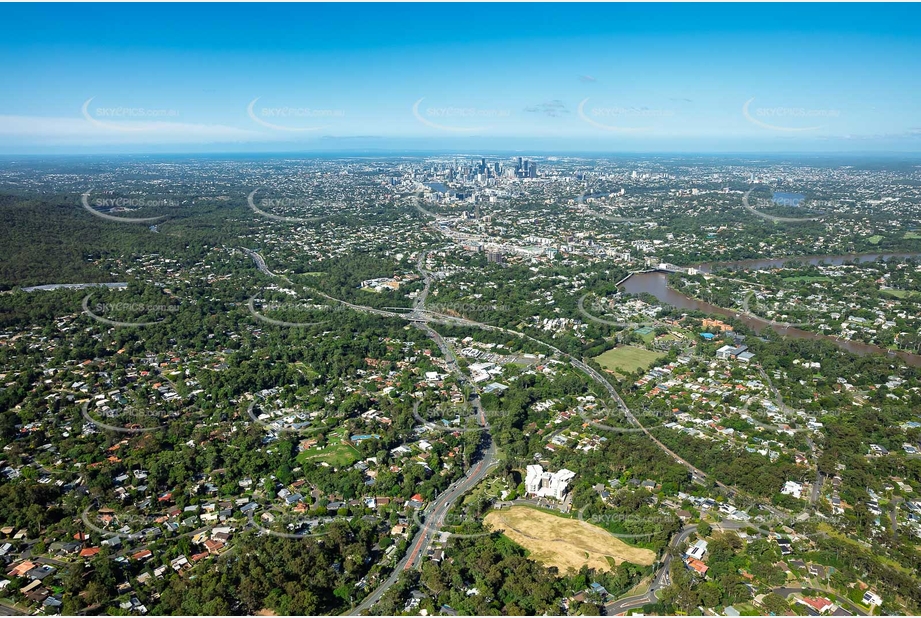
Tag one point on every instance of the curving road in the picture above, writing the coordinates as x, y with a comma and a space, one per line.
659, 581
436, 512
581, 306
424, 316
772, 217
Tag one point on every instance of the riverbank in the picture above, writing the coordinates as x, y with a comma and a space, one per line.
656, 284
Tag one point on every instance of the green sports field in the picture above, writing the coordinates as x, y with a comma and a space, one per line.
627, 359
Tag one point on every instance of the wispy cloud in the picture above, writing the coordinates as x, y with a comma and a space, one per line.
78, 130
909, 133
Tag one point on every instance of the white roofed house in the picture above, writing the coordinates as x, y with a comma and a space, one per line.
792, 488
697, 550
871, 598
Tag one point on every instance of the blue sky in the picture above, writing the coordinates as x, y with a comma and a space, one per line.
569, 77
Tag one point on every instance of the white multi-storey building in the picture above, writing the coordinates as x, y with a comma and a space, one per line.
547, 484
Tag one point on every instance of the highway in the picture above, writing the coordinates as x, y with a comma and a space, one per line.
434, 518
427, 280
732, 491
434, 514
424, 317
817, 487
442, 505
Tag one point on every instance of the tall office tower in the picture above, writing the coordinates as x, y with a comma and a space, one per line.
532, 170
483, 164
496, 168
518, 168
527, 165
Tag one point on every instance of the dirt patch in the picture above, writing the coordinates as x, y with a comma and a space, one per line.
564, 543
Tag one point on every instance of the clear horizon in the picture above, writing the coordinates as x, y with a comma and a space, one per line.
648, 79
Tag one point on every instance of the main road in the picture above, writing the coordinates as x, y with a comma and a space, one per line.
434, 518
423, 317
442, 505
661, 579
434, 514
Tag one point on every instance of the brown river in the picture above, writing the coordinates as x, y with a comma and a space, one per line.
656, 283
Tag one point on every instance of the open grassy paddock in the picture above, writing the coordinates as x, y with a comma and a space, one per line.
627, 359
565, 543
